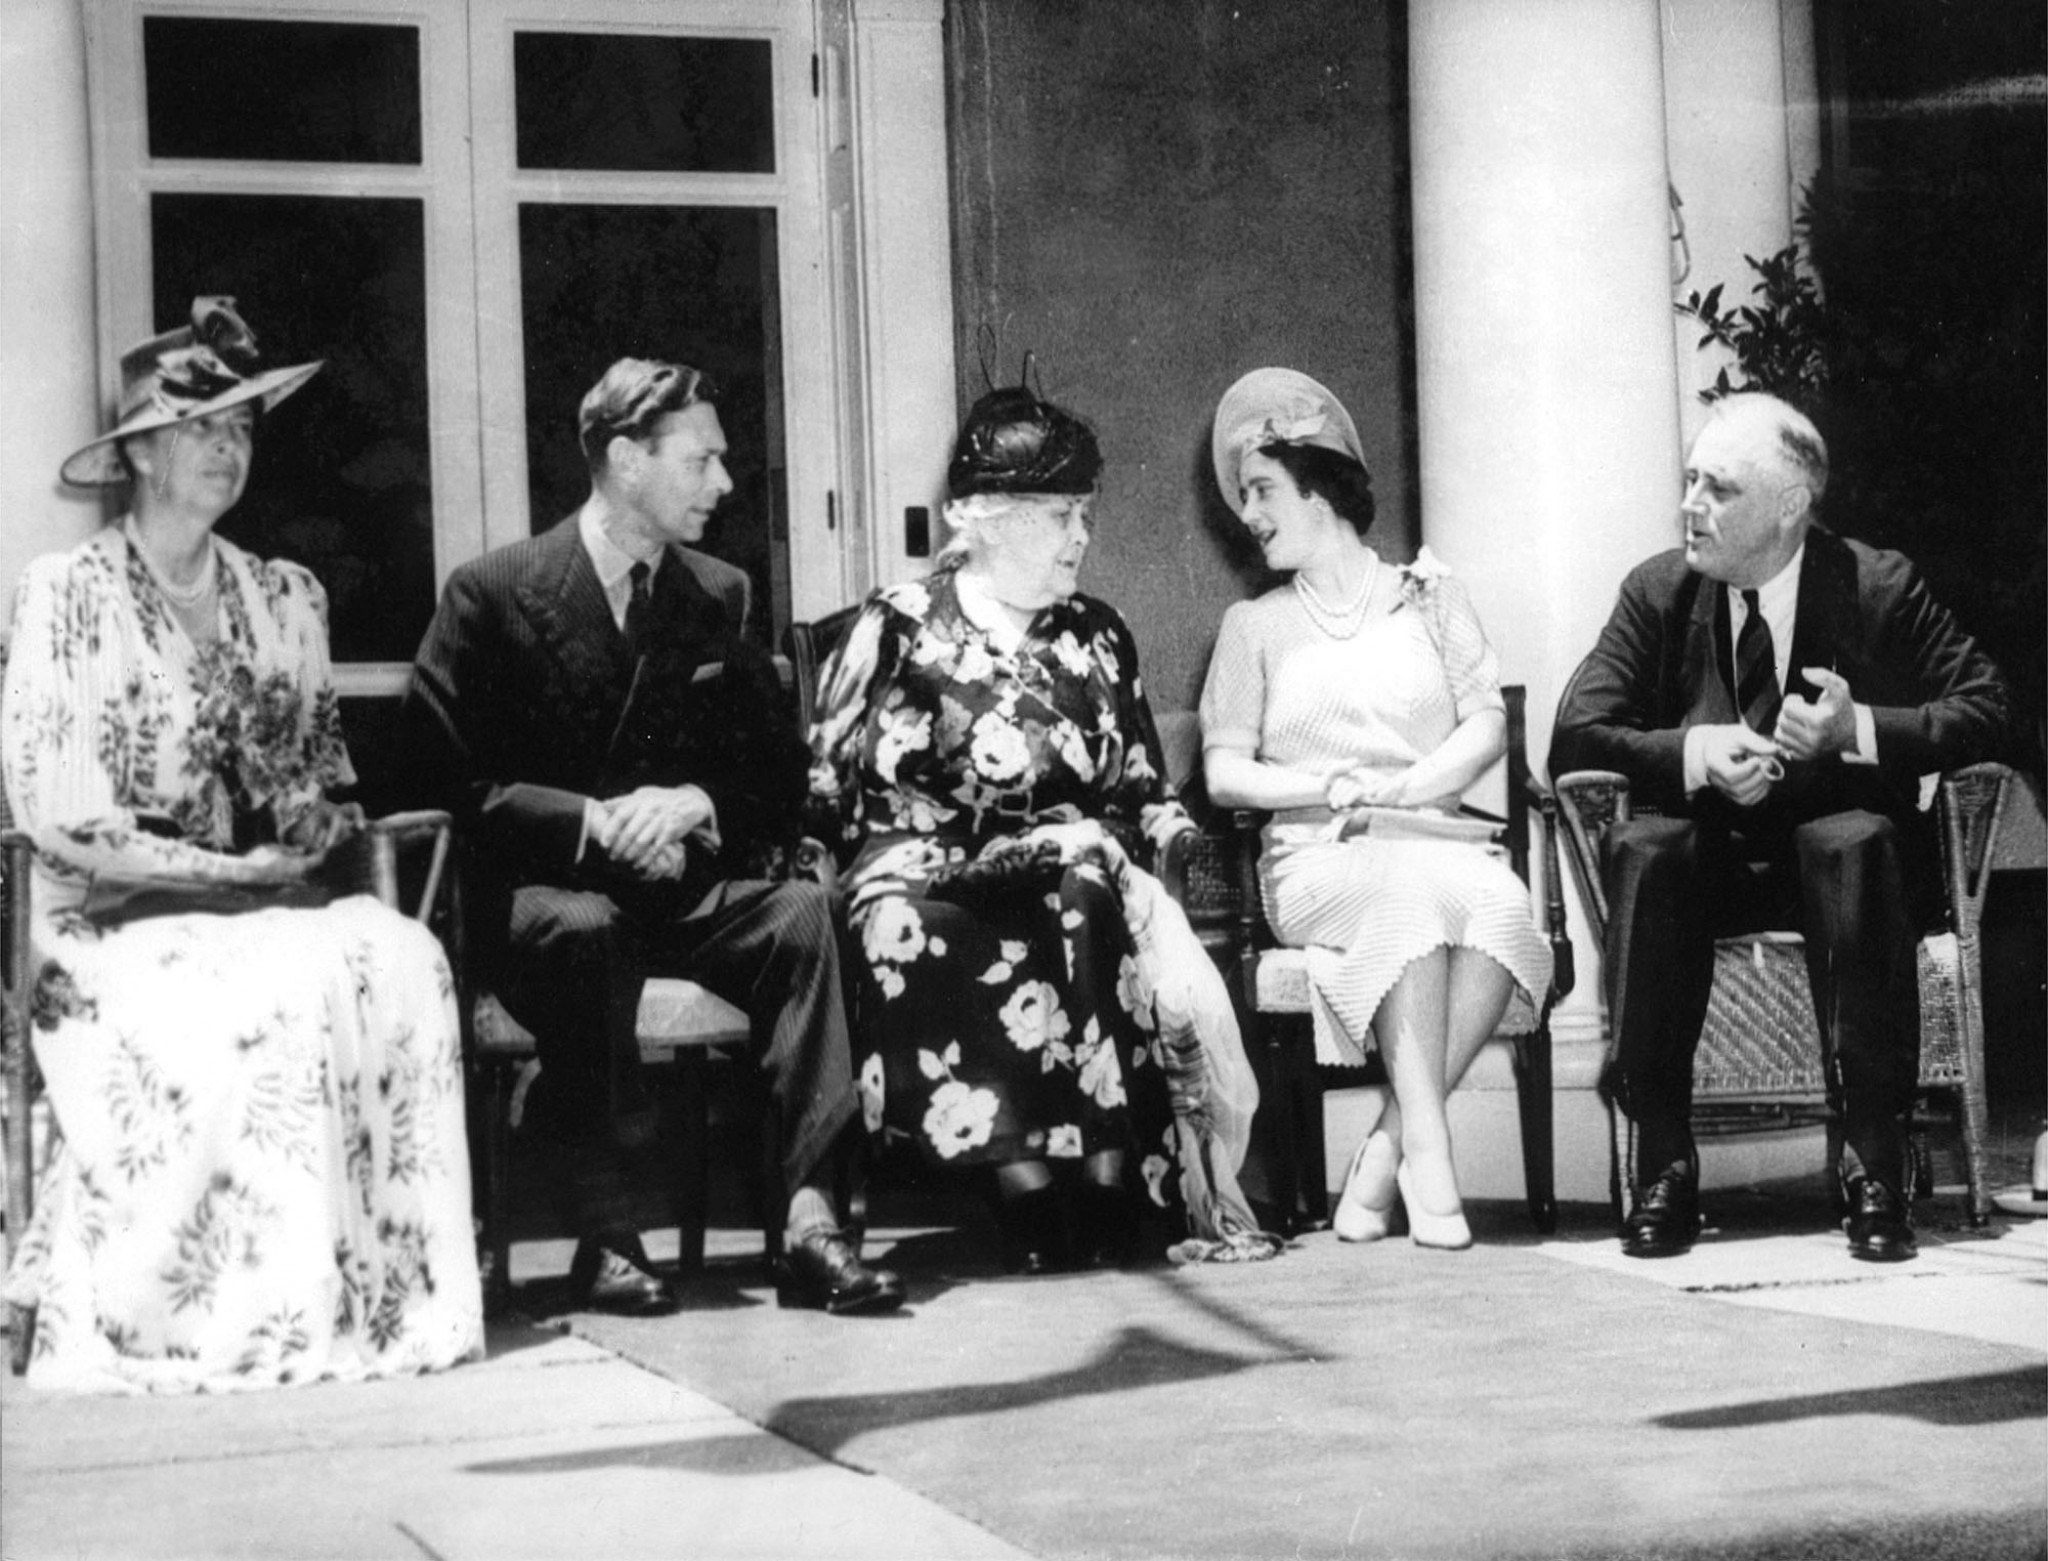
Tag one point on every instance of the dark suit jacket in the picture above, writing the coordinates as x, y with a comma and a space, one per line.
524, 702
1661, 663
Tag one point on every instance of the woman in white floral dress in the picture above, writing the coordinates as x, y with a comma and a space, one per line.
1358, 687
979, 735
261, 1175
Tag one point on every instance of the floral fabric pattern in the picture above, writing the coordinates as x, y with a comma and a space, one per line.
1006, 1023
262, 1176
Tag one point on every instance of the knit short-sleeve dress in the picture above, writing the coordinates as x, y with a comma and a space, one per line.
1283, 689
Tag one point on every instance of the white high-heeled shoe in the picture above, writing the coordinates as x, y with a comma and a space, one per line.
1448, 1232
1354, 1218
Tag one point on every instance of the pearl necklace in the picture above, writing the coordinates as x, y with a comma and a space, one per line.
1340, 623
184, 597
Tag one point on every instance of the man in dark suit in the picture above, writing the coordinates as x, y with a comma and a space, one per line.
1783, 808
614, 751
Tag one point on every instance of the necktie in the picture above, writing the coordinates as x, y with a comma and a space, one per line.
639, 604
1756, 670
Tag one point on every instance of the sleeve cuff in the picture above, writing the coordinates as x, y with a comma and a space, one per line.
1865, 751
1695, 758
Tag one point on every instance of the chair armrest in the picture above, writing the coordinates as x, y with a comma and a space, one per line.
1589, 803
380, 843
813, 861
1970, 805
1174, 852
1563, 963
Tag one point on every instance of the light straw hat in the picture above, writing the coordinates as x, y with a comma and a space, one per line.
1270, 406
194, 371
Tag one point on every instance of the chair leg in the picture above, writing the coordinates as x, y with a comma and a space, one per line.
1291, 1097
21, 1337
1310, 1173
692, 1193
498, 1082
1532, 1096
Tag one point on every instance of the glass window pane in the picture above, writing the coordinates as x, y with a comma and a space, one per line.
689, 285
314, 92
638, 104
342, 481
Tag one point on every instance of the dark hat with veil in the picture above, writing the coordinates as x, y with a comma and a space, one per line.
1014, 441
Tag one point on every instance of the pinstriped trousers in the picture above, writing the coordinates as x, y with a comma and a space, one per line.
577, 962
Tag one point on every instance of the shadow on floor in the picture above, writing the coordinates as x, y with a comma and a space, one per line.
1985, 1399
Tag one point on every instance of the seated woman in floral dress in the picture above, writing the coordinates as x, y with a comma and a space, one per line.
985, 763
262, 1176
1359, 687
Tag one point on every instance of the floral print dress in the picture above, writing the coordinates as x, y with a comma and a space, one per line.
262, 1174
1000, 1023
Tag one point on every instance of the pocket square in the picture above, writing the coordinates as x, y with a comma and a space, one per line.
708, 670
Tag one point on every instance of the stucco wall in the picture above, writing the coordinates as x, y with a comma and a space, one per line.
1154, 196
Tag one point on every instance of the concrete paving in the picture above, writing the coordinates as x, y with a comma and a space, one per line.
551, 1448
554, 1447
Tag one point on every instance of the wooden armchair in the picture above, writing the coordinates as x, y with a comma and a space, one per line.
402, 859
1760, 1048
1223, 900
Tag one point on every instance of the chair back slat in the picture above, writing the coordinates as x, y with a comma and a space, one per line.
809, 646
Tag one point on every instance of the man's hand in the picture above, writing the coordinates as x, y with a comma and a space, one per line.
1815, 728
1740, 764
646, 829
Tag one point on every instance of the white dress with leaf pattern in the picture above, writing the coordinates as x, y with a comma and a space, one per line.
262, 1176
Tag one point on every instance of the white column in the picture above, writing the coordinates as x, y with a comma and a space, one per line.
1549, 443
48, 351
1549, 450
1743, 130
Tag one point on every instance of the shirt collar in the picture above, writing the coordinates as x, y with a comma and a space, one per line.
1778, 595
611, 561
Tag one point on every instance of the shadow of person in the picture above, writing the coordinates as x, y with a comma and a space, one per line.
1987, 1398
1134, 1357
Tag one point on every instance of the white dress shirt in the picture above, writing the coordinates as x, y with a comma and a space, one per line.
1778, 601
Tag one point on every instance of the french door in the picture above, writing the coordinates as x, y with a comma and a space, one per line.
469, 208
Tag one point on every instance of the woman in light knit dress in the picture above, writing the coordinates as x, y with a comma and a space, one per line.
1358, 685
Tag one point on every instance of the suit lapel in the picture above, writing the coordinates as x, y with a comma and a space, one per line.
1826, 588
566, 605
1706, 657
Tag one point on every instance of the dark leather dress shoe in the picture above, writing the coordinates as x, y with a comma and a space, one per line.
1880, 1229
1666, 1220
824, 1273
1106, 1227
605, 1279
1034, 1226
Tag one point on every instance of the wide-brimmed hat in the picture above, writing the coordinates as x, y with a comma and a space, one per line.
1014, 441
1271, 406
194, 371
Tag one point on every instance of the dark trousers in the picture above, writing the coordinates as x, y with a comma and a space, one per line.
577, 961
1841, 881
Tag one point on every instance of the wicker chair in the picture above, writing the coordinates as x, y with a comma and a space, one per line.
1222, 896
1759, 1049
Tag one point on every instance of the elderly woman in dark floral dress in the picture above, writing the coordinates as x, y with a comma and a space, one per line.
262, 1177
985, 761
